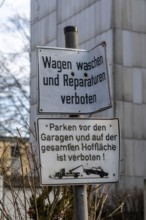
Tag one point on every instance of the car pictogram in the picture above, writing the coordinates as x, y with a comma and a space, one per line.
97, 171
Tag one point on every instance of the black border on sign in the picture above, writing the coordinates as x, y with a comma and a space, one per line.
78, 51
88, 119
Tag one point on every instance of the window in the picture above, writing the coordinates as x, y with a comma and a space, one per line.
15, 159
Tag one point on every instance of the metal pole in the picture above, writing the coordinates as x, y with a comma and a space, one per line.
144, 199
71, 37
79, 191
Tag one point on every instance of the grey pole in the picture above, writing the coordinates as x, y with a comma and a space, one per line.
144, 199
71, 37
79, 191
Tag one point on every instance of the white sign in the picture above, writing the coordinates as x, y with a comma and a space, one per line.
78, 151
73, 81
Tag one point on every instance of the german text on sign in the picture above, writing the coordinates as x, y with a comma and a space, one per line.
78, 151
73, 81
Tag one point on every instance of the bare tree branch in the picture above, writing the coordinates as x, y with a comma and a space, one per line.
14, 77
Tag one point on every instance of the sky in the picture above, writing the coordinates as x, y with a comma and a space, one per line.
11, 7
8, 9
11, 42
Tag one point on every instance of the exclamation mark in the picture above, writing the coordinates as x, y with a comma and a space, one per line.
103, 156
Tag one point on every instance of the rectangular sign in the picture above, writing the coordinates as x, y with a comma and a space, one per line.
78, 151
72, 80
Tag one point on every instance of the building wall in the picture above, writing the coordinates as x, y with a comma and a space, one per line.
16, 209
121, 23
130, 81
13, 161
